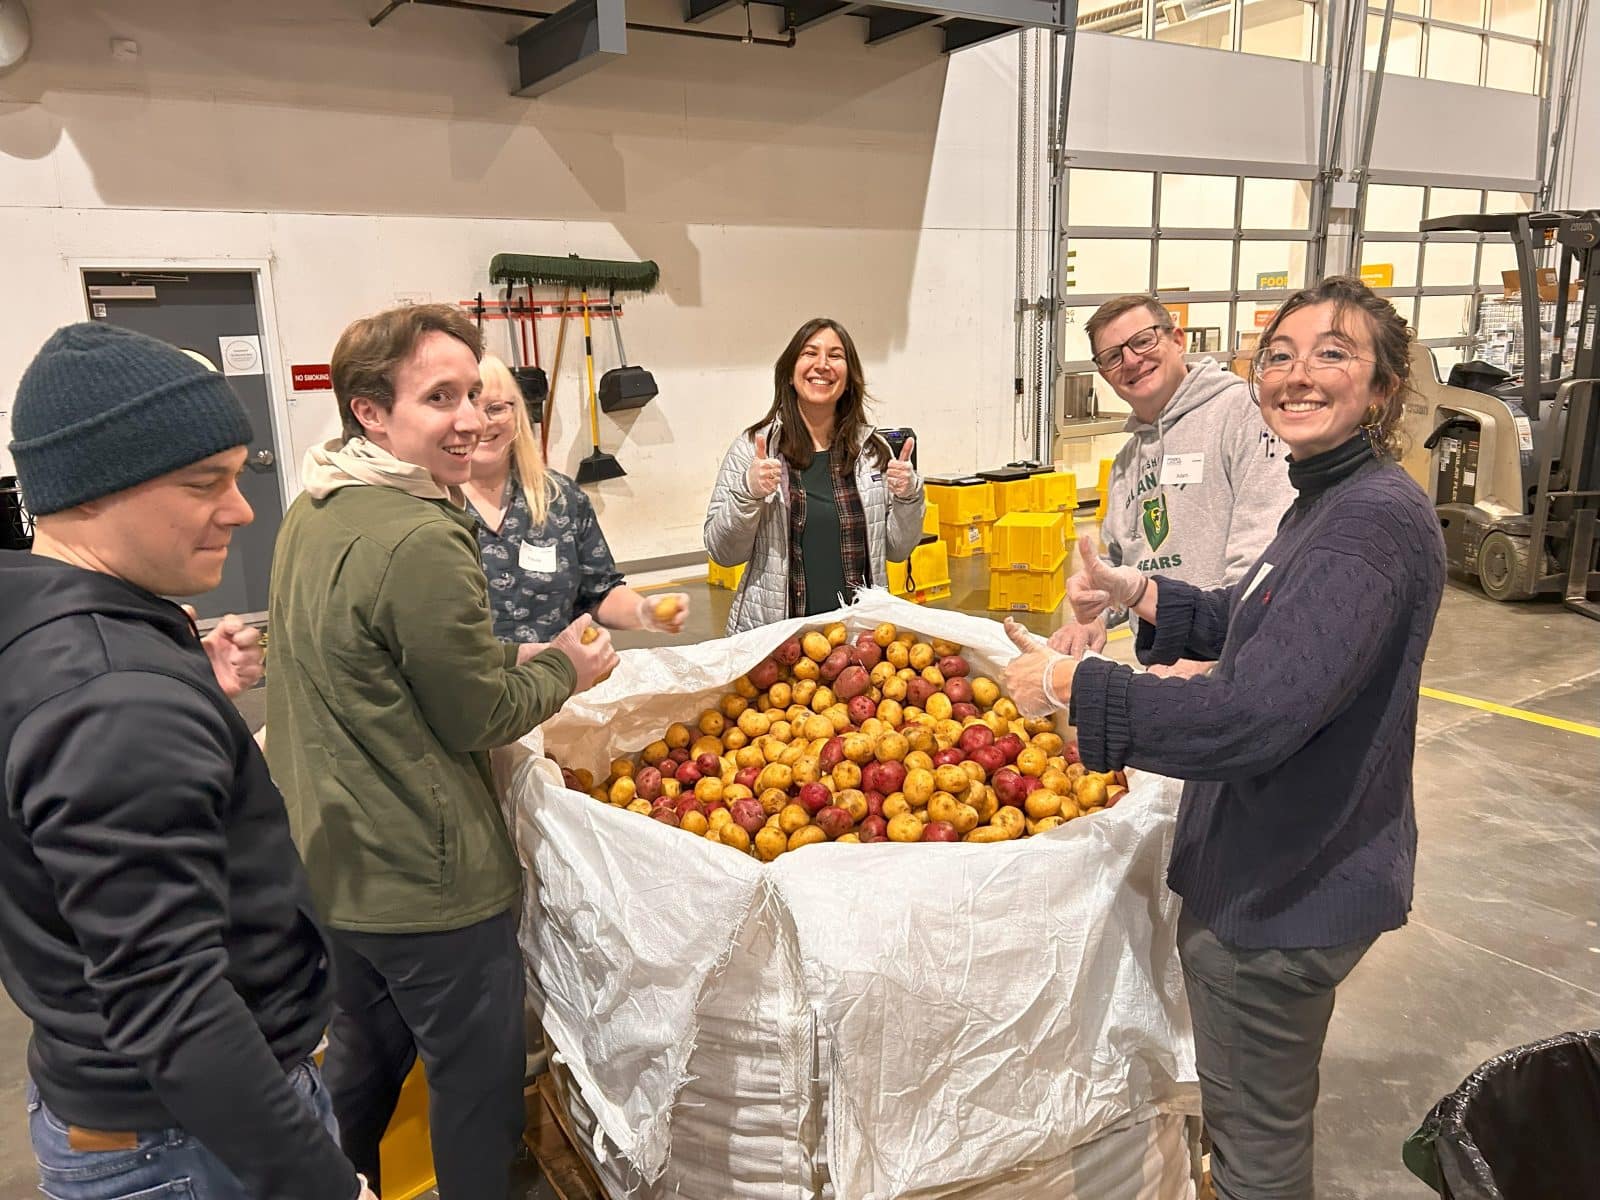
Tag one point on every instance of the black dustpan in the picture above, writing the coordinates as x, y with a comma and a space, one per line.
599, 466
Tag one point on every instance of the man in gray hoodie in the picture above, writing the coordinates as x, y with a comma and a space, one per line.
1198, 490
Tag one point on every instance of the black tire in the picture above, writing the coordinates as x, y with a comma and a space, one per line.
1503, 566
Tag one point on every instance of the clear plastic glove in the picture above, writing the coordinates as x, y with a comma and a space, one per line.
1098, 585
589, 647
900, 476
238, 659
1184, 668
665, 613
1074, 638
761, 480
366, 1192
1034, 680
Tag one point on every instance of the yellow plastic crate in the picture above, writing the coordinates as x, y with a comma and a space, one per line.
1025, 541
1055, 491
930, 518
963, 503
966, 540
719, 576
1104, 487
1027, 591
929, 569
1013, 495
406, 1151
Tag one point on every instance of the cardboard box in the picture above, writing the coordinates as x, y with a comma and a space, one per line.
1548, 283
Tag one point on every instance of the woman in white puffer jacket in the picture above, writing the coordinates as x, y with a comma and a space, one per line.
810, 497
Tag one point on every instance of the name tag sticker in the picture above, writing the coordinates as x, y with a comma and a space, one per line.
1183, 468
1262, 573
537, 558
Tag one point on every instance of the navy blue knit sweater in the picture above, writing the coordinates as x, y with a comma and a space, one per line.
1296, 827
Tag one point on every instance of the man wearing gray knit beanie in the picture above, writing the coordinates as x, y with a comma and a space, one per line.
155, 921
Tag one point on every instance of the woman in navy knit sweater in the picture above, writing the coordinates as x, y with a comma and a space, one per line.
1296, 837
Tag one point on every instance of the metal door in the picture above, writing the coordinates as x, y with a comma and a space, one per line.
215, 314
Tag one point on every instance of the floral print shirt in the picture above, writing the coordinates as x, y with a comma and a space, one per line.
541, 579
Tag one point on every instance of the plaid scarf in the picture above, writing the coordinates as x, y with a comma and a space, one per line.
852, 534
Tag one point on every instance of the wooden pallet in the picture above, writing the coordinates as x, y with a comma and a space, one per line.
549, 1135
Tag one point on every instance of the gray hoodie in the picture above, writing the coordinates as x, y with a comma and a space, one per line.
1198, 495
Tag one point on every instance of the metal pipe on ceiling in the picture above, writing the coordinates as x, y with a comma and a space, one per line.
709, 35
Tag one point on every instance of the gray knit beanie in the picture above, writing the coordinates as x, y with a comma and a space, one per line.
102, 409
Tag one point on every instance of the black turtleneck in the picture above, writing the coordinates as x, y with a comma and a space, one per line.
1296, 828
1315, 475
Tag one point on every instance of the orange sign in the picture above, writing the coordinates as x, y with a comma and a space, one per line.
1264, 317
1378, 275
1179, 313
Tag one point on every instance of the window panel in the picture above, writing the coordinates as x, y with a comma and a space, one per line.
1394, 209
1273, 261
1525, 18
1074, 341
1401, 256
1195, 266
1445, 264
1206, 329
1450, 202
1277, 204
1513, 67
1097, 197
1444, 316
1197, 201
1509, 202
1109, 264
1459, 12
1279, 29
1497, 257
1453, 57
1405, 46
1203, 23
1445, 357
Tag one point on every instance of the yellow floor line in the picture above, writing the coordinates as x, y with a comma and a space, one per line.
1520, 714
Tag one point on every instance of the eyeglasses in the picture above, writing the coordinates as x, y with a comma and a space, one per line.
1274, 362
1146, 340
499, 410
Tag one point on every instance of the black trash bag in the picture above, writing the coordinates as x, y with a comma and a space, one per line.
1523, 1126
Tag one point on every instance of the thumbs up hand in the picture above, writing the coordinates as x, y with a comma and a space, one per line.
761, 480
1098, 585
900, 475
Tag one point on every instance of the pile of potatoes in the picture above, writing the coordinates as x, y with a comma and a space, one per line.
886, 738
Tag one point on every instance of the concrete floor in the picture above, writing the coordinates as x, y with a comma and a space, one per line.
1503, 945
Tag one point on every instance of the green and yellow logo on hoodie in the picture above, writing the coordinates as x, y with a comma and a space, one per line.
1154, 518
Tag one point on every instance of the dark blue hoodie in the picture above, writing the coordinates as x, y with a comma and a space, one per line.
155, 923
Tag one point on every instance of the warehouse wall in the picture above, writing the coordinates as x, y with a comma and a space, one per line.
1578, 175
875, 184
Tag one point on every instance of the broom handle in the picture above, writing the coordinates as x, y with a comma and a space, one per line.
616, 329
588, 361
533, 326
555, 378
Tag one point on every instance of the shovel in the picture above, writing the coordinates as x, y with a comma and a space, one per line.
599, 465
532, 381
624, 387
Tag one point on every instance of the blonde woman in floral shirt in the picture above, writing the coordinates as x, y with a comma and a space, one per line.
543, 551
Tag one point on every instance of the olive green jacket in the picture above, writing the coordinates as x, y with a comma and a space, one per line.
386, 689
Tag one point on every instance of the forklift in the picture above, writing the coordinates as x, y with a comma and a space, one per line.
1513, 466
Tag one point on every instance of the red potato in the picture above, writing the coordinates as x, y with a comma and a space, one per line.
974, 736
852, 682
748, 815
860, 709
764, 674
891, 777
648, 783
940, 831
917, 692
834, 821
869, 652
747, 776
990, 758
814, 797
874, 829
666, 816
1008, 787
1010, 745
949, 757
708, 765
959, 691
961, 711
787, 654
832, 666
688, 775
832, 754
953, 666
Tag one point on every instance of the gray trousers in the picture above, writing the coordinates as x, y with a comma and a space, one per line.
1259, 1020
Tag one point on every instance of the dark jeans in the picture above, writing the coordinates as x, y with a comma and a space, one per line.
1260, 1017
167, 1164
456, 999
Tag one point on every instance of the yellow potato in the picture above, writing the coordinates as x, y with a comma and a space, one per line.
781, 731
750, 756
735, 836
775, 775
810, 835
622, 792
734, 738
802, 691
781, 694
719, 817
934, 676
904, 828
642, 806
939, 707
712, 723
1009, 819
951, 778
706, 745
816, 646
985, 691
1050, 743
1032, 761
884, 634
806, 669
1042, 803
816, 726
731, 705
822, 698
792, 817
773, 800
918, 736
986, 804
1038, 725
852, 838
1006, 708
1090, 792
895, 804
918, 787
735, 791
892, 747
847, 774
708, 790
919, 760
921, 655
745, 688
987, 833
678, 735
654, 753
974, 771
881, 673
770, 843
894, 688
665, 608
671, 789
890, 713
694, 823
897, 655
854, 802
806, 769
753, 724
838, 716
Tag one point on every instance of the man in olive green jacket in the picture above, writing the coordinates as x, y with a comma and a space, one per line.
386, 692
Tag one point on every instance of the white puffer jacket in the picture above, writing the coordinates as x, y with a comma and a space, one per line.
742, 529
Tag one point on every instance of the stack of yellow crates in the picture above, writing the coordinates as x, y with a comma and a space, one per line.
966, 514
1027, 565
719, 576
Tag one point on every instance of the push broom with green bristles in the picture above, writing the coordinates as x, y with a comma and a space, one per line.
582, 273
